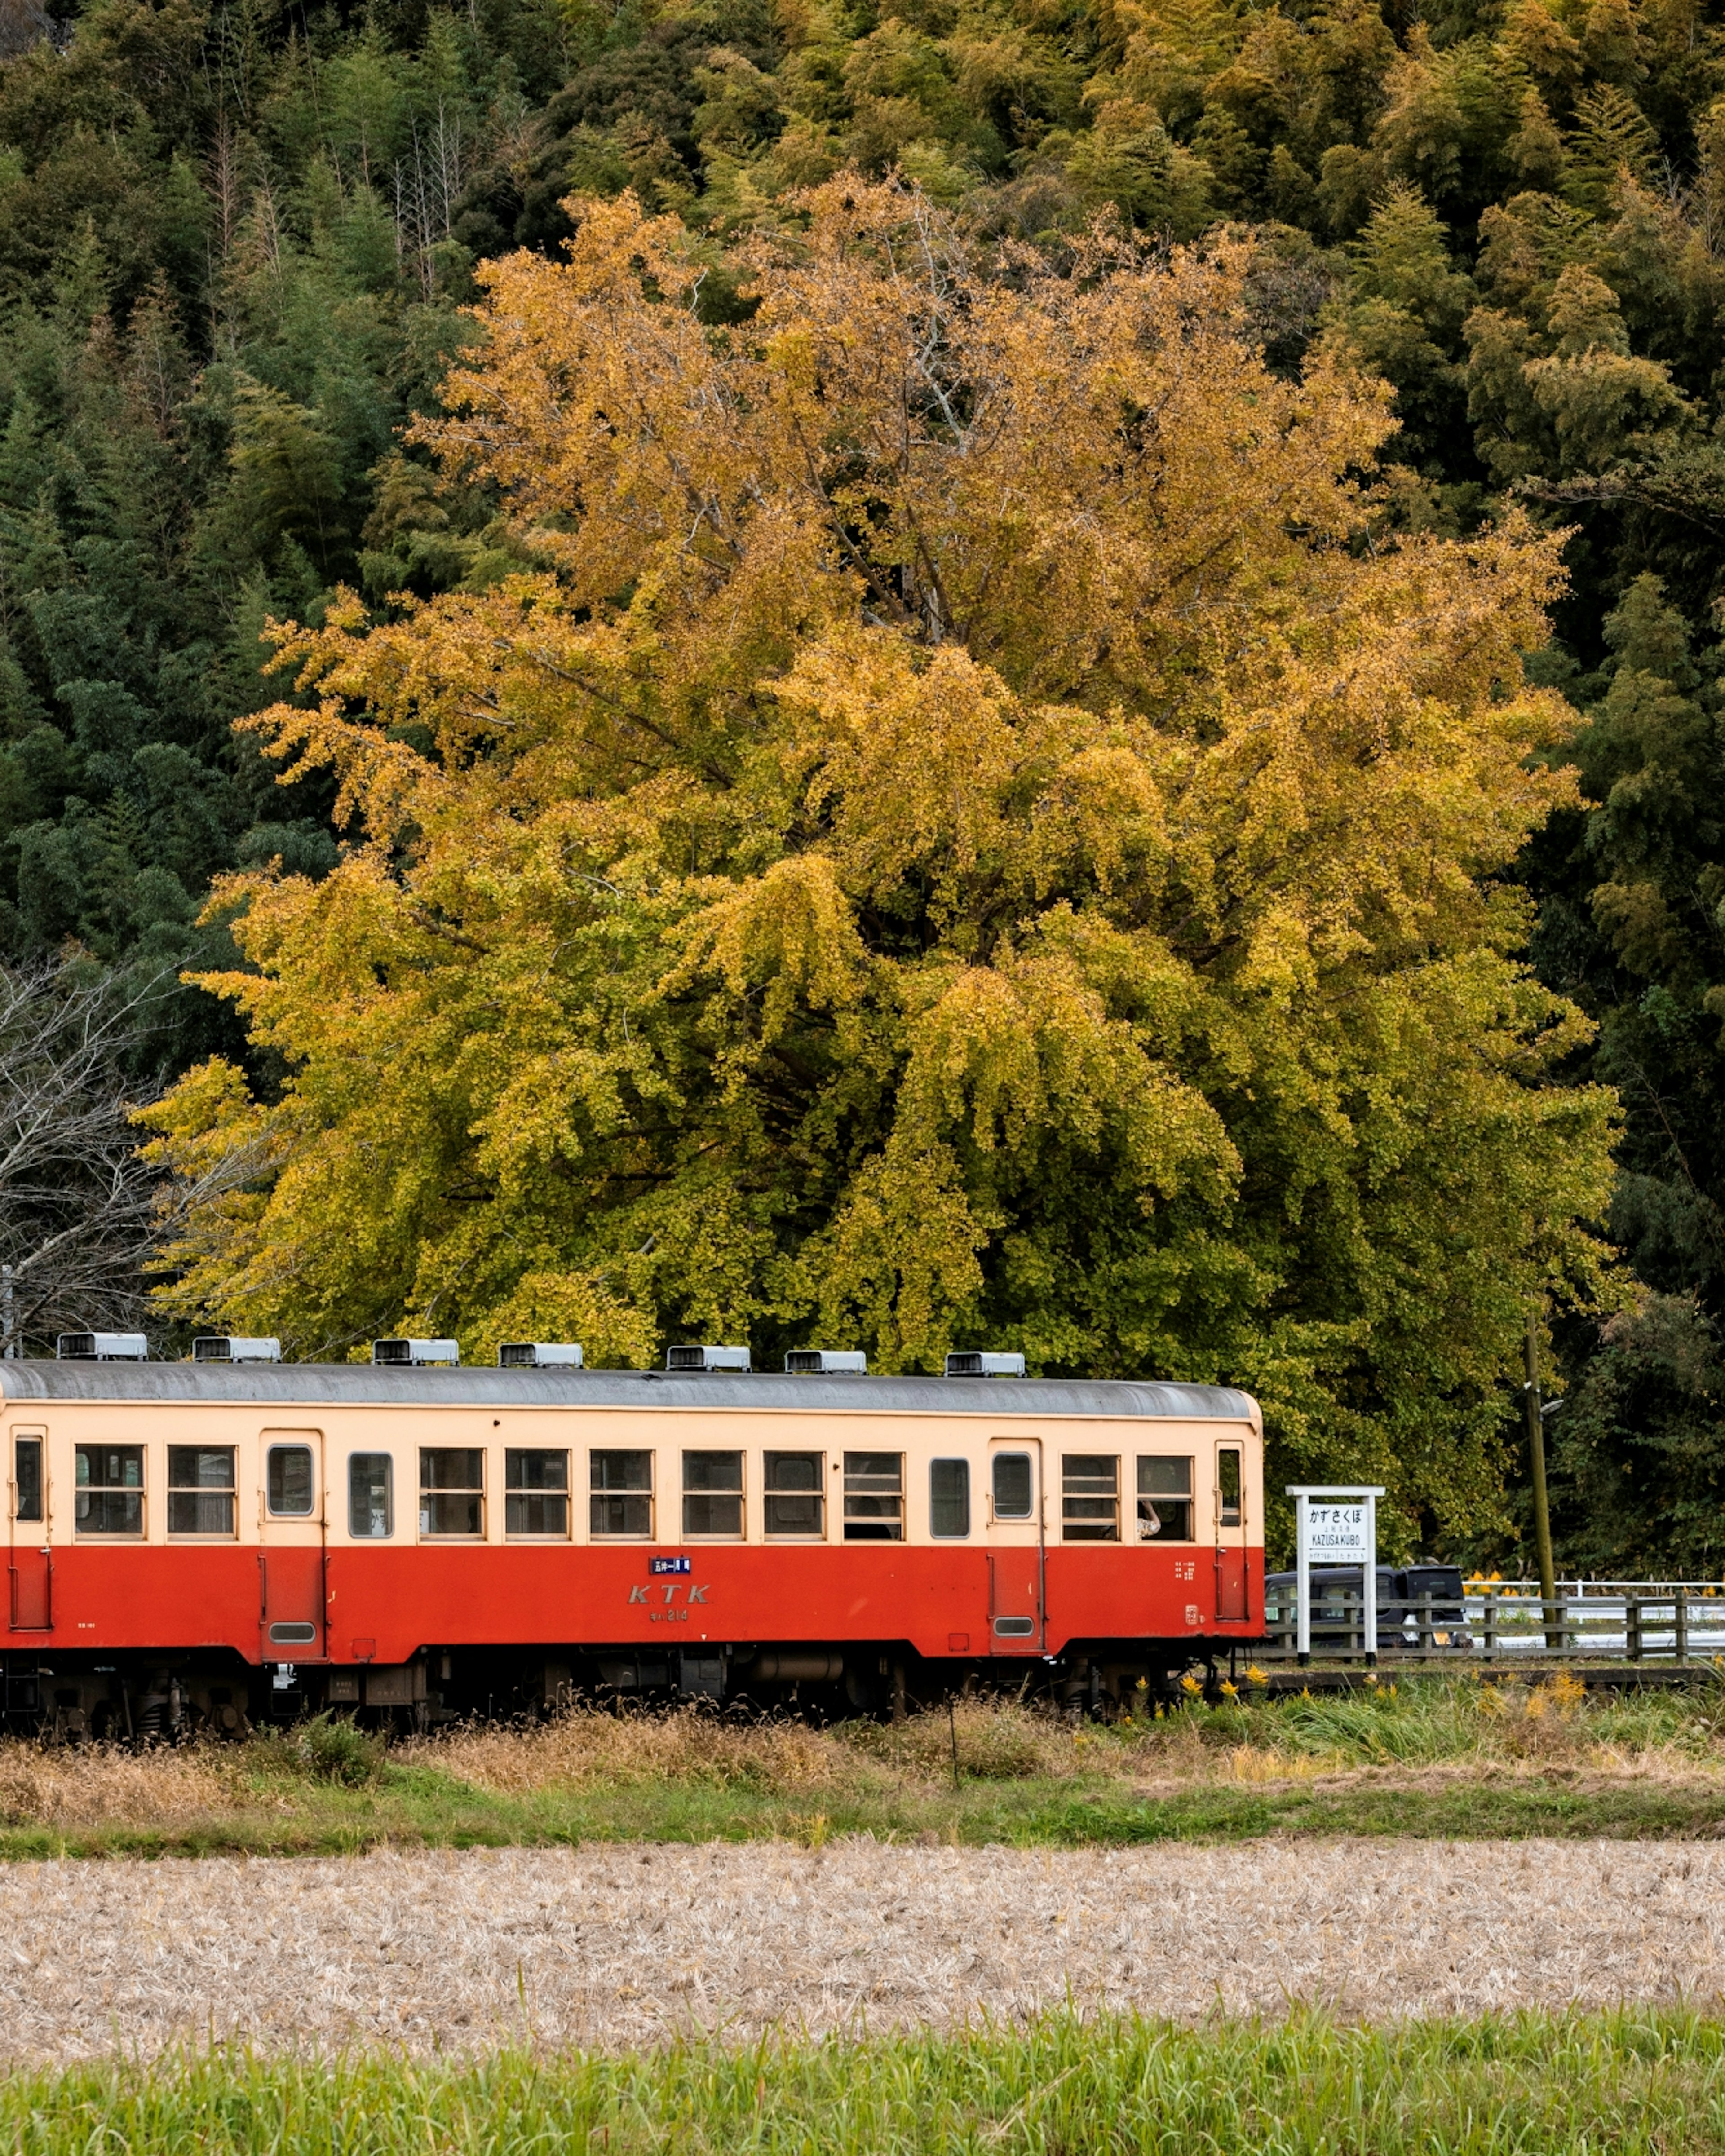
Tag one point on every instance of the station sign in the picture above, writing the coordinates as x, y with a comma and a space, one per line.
1336, 1525
1341, 1534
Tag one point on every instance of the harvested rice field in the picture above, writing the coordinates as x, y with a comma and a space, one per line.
629, 1948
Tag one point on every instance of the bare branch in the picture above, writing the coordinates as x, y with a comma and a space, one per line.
80, 1211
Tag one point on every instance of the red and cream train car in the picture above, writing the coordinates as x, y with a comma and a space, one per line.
193, 1544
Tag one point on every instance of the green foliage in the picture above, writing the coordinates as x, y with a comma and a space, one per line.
332, 1747
226, 277
1637, 1457
326, 1748
1630, 923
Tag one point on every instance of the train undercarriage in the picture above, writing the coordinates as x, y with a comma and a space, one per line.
161, 1697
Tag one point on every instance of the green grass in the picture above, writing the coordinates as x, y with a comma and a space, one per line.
1440, 1756
1033, 1815
1633, 2083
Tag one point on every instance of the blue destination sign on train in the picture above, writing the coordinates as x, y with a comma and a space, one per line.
657, 1565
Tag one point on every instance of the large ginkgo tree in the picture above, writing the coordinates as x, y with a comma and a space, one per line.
978, 830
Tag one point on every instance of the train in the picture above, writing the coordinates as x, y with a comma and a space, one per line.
199, 1546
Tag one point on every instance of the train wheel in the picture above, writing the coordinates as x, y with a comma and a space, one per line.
860, 1691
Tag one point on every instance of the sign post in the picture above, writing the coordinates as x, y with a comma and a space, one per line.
1336, 1525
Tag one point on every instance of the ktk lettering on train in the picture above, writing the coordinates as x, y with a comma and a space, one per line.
667, 1614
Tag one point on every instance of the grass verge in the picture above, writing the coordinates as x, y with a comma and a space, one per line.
1441, 1757
1628, 2081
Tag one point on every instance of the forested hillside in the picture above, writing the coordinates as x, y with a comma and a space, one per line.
235, 243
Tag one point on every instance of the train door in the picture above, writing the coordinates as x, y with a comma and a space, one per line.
1229, 1497
1017, 1614
291, 1511
29, 1556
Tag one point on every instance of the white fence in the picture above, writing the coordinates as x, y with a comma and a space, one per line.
1632, 1620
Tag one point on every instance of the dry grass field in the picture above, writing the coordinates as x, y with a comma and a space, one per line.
1446, 1757
625, 1946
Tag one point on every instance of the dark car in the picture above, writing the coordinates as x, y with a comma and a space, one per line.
1448, 1605
1335, 1591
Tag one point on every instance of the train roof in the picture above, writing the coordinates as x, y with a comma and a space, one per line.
361, 1385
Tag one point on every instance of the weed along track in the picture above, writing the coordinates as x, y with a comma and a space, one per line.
625, 1946
1437, 1757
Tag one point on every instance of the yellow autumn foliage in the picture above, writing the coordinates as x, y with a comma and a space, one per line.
974, 832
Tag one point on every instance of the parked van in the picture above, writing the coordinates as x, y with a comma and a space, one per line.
1335, 1592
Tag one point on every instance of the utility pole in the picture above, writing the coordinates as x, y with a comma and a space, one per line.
1541, 1509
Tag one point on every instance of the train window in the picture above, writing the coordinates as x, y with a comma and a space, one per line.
795, 1498
200, 1488
621, 1493
452, 1489
1228, 1486
948, 1498
874, 1497
1090, 1497
110, 1489
1013, 1485
371, 1496
287, 1482
535, 1493
1164, 1499
27, 1478
712, 1493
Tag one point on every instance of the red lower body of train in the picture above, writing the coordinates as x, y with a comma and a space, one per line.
114, 1640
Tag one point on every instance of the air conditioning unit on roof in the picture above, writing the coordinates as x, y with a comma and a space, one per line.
231, 1347
400, 1354
826, 1362
539, 1355
706, 1358
972, 1364
102, 1348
